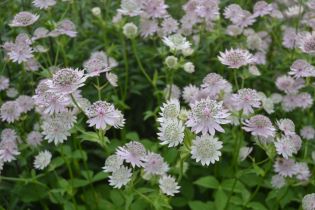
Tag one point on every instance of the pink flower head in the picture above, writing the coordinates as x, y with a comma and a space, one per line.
206, 116
246, 99
235, 58
259, 125
103, 114
133, 153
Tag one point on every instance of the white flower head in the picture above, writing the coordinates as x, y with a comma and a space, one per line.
168, 185
171, 132
120, 177
42, 160
206, 149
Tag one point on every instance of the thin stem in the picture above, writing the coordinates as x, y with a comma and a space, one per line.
76, 104
140, 64
235, 79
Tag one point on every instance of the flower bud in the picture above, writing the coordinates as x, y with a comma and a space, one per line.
171, 62
189, 67
130, 30
96, 11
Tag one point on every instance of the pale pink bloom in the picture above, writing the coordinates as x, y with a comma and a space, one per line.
64, 27
26, 103
34, 138
44, 4
289, 37
206, 116
262, 8
278, 181
246, 99
154, 8
10, 111
172, 91
247, 19
233, 12
306, 42
304, 100
4, 83
259, 58
168, 185
189, 93
169, 26
112, 78
23, 19
259, 125
235, 58
286, 126
8, 134
289, 103
98, 63
40, 33
294, 11
215, 84
308, 132
208, 9
130, 7
8, 150
233, 30
285, 146
133, 153
148, 27
55, 130
31, 64
303, 172
66, 81
285, 167
12, 92
113, 163
301, 68
308, 202
288, 84
154, 164
103, 115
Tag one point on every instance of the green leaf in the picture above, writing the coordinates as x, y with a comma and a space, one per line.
100, 176
220, 199
256, 206
208, 182
132, 136
198, 205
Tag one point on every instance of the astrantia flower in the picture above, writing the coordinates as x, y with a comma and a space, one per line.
55, 131
169, 25
148, 27
26, 103
278, 181
130, 30
206, 149
172, 92
8, 150
168, 185
244, 152
130, 7
246, 99
308, 202
133, 153
10, 111
23, 19
40, 33
170, 110
262, 8
103, 114
4, 83
8, 134
176, 42
304, 100
112, 78
66, 81
215, 83
42, 160
306, 42
64, 27
206, 116
12, 92
285, 147
34, 138
308, 132
233, 12
303, 171
286, 126
235, 58
154, 164
301, 68
285, 167
189, 93
154, 8
112, 163
99, 62
120, 177
44, 4
171, 133
259, 125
